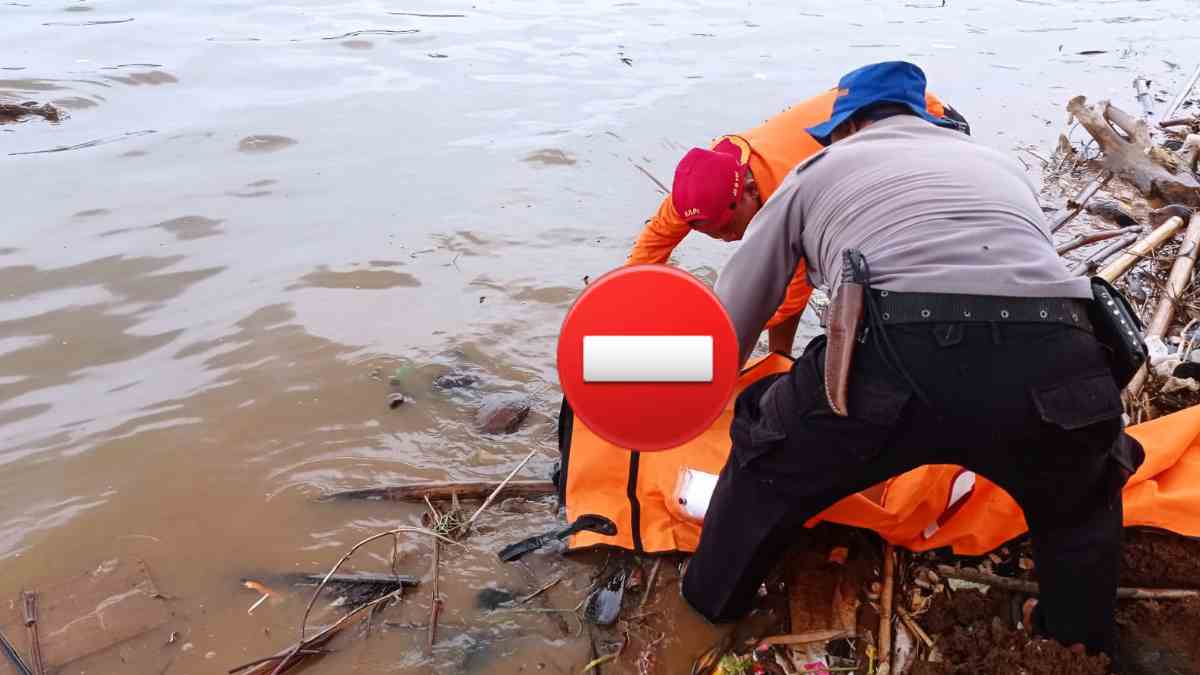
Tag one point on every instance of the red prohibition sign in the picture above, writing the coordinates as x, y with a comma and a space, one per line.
647, 357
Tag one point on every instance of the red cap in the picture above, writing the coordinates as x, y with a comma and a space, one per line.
709, 183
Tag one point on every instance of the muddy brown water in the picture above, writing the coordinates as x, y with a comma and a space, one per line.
256, 213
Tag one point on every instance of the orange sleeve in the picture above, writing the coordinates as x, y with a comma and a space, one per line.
661, 234
796, 300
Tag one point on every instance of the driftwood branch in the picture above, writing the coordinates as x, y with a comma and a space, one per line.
417, 492
1130, 153
1093, 237
1076, 205
359, 578
1098, 258
1031, 587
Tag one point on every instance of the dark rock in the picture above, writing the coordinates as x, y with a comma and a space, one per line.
493, 598
456, 379
1111, 209
502, 413
604, 604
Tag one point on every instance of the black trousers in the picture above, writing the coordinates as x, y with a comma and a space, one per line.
1032, 407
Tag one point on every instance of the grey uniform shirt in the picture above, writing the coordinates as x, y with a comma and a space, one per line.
931, 209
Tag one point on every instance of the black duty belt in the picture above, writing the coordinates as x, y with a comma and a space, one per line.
900, 308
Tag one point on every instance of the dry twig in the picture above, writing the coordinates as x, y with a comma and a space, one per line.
1031, 587
467, 525
650, 583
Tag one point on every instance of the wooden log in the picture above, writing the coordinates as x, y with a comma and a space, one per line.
1093, 237
1178, 122
1132, 155
417, 492
1112, 271
1031, 587
1177, 283
1076, 205
362, 578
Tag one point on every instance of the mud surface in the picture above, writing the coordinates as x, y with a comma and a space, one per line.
254, 208
976, 637
1161, 637
1160, 560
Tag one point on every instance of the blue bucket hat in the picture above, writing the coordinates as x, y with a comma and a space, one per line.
891, 81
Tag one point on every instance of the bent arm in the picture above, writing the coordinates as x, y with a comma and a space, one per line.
659, 237
752, 285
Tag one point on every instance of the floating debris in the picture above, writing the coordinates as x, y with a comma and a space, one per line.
10, 112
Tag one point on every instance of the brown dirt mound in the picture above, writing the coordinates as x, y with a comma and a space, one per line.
1161, 637
973, 639
1153, 559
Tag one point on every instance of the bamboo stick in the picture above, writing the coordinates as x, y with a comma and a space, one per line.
1031, 588
885, 610
1177, 283
1112, 271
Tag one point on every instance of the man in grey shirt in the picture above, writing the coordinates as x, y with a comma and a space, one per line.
978, 352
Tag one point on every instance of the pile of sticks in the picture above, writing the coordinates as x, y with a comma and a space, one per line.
1160, 164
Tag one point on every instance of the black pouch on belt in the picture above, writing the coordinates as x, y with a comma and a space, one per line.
841, 329
1118, 327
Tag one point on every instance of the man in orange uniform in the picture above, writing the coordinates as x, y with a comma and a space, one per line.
717, 192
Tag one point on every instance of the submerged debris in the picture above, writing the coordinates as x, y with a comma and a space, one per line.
502, 413
11, 112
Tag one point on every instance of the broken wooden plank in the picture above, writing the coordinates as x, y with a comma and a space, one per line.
821, 596
417, 492
113, 603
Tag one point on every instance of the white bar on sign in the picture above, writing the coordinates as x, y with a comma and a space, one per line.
647, 358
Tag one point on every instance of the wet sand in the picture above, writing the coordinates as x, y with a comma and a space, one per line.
253, 214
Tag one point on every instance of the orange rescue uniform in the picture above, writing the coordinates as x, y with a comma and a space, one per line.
772, 149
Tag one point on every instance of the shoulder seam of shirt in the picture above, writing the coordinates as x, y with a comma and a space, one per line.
810, 161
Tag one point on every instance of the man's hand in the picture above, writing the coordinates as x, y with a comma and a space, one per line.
781, 336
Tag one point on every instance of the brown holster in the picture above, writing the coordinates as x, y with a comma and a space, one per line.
841, 330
